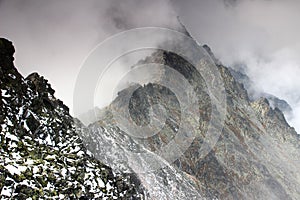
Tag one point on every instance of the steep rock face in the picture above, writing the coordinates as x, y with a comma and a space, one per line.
256, 156
41, 153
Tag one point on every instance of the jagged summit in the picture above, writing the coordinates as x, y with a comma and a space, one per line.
249, 159
45, 154
40, 83
6, 52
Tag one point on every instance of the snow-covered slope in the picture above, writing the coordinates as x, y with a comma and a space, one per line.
42, 155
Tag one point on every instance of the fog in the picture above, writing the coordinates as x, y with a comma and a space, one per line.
54, 37
263, 35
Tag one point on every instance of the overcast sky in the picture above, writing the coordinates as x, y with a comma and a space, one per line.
54, 37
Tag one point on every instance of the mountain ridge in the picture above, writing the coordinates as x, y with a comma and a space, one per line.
256, 156
42, 155
242, 165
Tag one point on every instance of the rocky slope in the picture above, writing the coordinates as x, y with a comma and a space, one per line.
46, 154
42, 155
256, 156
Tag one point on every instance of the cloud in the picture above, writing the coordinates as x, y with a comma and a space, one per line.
140, 13
263, 35
54, 37
230, 2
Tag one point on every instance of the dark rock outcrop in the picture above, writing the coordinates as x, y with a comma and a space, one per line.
41, 152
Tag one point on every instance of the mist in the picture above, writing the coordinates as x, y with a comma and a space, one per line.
263, 36
54, 37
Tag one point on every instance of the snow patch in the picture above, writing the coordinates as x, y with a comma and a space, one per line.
4, 93
11, 136
15, 170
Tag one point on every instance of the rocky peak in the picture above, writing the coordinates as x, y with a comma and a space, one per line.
248, 160
7, 71
40, 83
6, 54
41, 151
262, 106
273, 118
